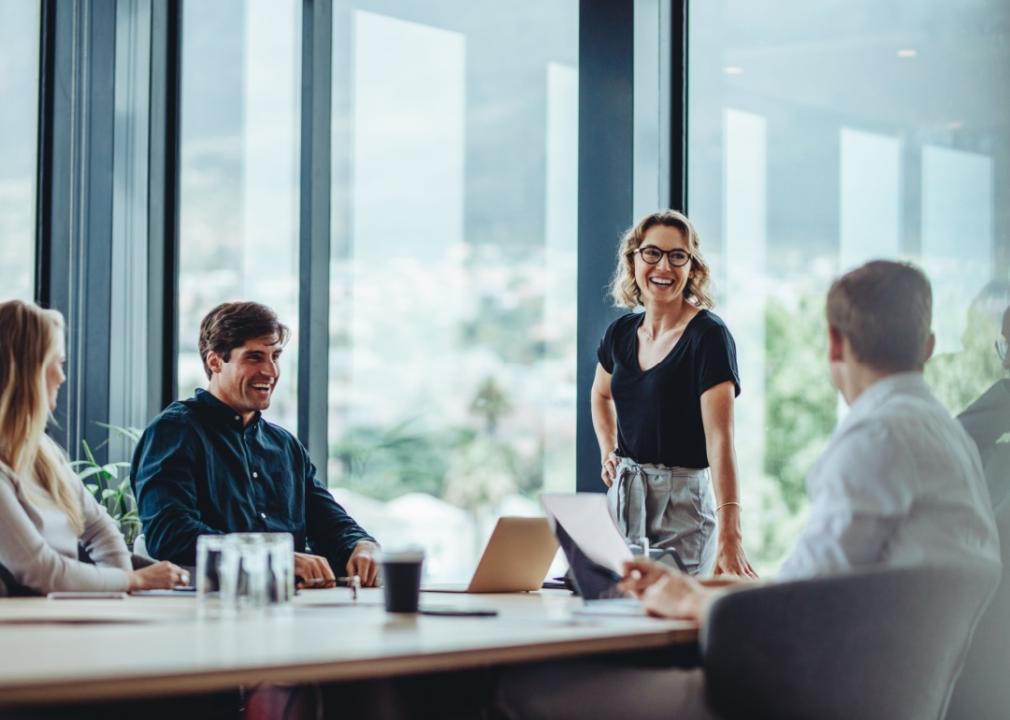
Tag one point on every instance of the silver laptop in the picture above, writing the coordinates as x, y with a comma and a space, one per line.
516, 558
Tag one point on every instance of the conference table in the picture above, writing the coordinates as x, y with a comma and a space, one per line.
54, 651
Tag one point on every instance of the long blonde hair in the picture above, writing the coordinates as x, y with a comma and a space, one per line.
29, 342
623, 288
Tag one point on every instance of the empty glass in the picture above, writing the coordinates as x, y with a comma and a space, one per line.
280, 579
244, 572
216, 572
251, 585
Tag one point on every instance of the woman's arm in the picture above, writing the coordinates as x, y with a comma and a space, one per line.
35, 564
605, 424
717, 418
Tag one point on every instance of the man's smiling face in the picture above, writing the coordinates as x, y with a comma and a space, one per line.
247, 379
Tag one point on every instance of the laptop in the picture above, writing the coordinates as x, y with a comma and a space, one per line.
516, 558
595, 551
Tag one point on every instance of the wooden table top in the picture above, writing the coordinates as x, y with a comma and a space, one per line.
55, 651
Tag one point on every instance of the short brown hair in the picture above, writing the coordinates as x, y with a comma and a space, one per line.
623, 288
885, 309
231, 324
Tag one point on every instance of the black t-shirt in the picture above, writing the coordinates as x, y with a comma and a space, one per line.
659, 410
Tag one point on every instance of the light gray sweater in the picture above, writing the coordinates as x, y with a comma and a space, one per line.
38, 546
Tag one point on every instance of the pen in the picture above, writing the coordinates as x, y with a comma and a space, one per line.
353, 582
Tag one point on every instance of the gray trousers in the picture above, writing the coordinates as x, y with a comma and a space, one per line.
672, 506
600, 690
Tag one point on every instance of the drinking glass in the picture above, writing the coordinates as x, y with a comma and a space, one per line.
216, 573
280, 578
251, 585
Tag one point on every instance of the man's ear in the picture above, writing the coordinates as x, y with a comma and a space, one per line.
836, 344
930, 347
214, 362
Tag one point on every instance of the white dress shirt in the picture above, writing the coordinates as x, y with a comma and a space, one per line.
900, 484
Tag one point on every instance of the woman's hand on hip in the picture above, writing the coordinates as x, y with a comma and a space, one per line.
730, 559
608, 471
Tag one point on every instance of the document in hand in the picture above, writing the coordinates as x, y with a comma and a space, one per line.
586, 519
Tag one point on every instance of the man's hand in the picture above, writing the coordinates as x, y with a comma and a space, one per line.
312, 571
362, 563
663, 591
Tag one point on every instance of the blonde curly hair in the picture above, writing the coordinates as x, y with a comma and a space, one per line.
623, 288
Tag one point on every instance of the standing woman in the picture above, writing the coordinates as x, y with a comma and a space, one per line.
662, 402
45, 510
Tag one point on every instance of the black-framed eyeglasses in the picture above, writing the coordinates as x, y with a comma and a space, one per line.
676, 257
1001, 348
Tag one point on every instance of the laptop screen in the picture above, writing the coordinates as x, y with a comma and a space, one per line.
591, 581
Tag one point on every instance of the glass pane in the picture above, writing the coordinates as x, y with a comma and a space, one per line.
19, 88
452, 359
239, 175
823, 136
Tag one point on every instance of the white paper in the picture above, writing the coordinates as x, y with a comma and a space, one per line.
586, 518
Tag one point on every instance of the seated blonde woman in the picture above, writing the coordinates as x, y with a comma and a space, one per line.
45, 510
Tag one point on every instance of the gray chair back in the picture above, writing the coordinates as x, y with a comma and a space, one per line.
983, 690
884, 644
9, 587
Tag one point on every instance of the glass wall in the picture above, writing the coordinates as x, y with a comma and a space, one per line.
824, 136
19, 88
453, 276
239, 177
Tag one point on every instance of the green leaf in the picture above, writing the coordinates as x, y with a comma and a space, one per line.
130, 433
94, 470
107, 493
87, 452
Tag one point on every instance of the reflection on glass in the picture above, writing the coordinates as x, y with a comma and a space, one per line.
452, 361
19, 82
869, 198
239, 175
815, 146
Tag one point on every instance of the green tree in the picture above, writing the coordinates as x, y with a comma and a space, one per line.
385, 463
800, 401
490, 404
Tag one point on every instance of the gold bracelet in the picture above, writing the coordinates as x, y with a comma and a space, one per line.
731, 502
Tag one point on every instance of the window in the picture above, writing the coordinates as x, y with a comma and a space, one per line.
821, 138
239, 179
19, 88
453, 273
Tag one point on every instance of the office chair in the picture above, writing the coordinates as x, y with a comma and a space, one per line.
883, 644
983, 690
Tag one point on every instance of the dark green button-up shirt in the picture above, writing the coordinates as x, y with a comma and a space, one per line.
198, 471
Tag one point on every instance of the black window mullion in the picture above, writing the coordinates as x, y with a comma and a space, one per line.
314, 230
678, 105
75, 205
606, 124
163, 214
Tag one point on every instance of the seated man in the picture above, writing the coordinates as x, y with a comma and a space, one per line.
900, 484
212, 464
987, 421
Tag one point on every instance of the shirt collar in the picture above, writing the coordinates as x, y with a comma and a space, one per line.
905, 383
224, 413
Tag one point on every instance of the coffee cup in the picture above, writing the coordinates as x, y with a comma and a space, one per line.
401, 578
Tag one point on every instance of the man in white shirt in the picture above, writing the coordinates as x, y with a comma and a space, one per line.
900, 484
